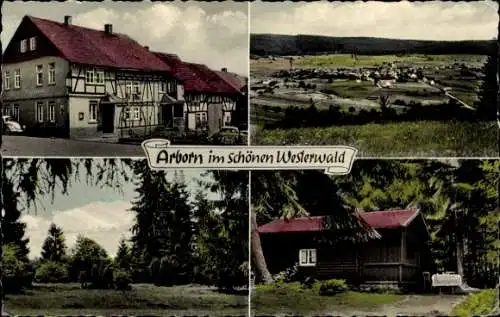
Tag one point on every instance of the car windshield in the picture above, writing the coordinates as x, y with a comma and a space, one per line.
7, 119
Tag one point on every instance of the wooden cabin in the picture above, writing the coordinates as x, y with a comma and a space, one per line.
396, 257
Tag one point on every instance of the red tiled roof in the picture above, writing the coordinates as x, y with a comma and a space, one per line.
388, 219
234, 80
196, 77
93, 47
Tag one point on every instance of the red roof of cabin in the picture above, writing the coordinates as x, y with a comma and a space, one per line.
93, 47
389, 219
196, 77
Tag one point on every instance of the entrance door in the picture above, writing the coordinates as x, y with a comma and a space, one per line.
167, 115
108, 118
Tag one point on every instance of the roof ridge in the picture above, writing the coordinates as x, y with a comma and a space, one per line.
77, 26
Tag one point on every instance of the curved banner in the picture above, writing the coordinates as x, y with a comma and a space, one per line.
336, 160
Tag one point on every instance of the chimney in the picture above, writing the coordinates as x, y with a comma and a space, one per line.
224, 70
67, 19
147, 48
108, 28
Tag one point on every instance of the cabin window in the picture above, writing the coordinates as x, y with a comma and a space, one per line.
51, 111
7, 81
39, 75
17, 78
99, 77
307, 257
89, 77
39, 111
32, 43
52, 73
24, 45
93, 111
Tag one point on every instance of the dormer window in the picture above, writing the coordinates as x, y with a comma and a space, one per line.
24, 45
32, 43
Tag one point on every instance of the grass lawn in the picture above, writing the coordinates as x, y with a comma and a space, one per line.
143, 299
292, 299
425, 138
481, 303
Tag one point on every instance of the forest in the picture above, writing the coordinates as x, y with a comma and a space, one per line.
459, 200
178, 237
274, 44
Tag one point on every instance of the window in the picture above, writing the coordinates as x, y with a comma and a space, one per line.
93, 111
39, 75
307, 257
136, 113
128, 90
39, 111
17, 78
51, 111
7, 81
200, 120
32, 43
15, 112
163, 87
52, 73
136, 90
89, 77
24, 45
126, 113
99, 77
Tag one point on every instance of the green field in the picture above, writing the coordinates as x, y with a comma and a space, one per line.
425, 138
143, 299
292, 299
346, 60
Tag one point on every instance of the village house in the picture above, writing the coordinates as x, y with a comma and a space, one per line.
211, 99
395, 256
65, 80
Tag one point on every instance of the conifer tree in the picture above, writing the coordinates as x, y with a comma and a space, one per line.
54, 246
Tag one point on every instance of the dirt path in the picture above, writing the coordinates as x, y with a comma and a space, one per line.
413, 305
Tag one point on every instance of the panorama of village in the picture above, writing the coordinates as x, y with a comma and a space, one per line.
387, 94
70, 89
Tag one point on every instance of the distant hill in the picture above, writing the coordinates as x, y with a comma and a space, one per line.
273, 44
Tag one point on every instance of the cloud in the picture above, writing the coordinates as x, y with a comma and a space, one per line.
105, 222
212, 34
218, 40
433, 20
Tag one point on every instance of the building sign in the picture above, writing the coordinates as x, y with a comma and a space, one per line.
446, 280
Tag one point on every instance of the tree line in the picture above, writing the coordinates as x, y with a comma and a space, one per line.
459, 200
178, 237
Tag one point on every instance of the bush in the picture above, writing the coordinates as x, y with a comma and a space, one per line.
333, 287
51, 272
16, 273
288, 275
122, 280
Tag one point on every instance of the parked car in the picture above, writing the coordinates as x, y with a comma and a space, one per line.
11, 126
227, 135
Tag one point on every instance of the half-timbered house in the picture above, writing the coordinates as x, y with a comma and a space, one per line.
210, 100
396, 256
83, 82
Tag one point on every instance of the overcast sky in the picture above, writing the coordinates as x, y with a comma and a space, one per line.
215, 34
102, 214
433, 20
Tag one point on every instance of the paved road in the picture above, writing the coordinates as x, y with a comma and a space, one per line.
30, 146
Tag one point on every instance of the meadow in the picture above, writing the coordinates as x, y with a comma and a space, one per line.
142, 299
402, 139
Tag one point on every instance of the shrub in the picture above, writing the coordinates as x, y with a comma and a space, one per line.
51, 272
122, 280
333, 287
16, 273
288, 275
